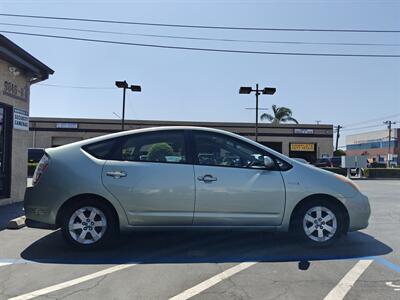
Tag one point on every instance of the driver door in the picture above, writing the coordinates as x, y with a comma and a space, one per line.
232, 186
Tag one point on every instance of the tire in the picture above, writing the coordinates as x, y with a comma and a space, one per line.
79, 220
319, 230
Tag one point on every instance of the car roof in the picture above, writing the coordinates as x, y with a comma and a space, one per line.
165, 128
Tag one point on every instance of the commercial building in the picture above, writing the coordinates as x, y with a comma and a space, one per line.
18, 70
308, 141
375, 145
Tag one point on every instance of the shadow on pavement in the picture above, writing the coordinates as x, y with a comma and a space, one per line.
203, 247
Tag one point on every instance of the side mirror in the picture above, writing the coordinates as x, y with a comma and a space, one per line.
269, 164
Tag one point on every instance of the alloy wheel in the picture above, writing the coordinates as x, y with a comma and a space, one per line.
320, 224
87, 225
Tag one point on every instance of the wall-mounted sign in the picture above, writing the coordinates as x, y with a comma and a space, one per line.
14, 91
21, 119
302, 147
303, 131
67, 125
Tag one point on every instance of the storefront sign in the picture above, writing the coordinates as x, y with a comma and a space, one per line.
21, 119
303, 131
302, 147
67, 125
14, 91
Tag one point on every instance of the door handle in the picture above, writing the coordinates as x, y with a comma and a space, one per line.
116, 174
207, 178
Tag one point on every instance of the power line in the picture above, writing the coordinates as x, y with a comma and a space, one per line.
199, 26
371, 120
203, 49
200, 38
76, 87
364, 127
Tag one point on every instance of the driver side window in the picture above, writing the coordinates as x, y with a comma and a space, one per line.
219, 150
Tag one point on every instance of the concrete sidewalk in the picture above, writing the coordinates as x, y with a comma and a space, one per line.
9, 212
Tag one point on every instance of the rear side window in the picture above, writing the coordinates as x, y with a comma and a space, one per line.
101, 150
163, 146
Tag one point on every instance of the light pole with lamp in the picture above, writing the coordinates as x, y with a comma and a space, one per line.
124, 85
264, 91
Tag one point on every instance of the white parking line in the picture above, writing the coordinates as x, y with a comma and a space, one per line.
347, 282
197, 289
5, 264
72, 282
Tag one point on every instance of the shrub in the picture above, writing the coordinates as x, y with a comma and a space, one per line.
339, 171
382, 173
378, 165
339, 152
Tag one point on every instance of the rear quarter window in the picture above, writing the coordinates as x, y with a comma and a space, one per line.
101, 150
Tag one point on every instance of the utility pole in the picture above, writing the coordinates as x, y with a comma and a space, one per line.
337, 135
389, 126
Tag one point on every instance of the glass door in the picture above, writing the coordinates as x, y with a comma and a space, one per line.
5, 153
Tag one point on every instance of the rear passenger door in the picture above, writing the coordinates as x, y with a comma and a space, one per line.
151, 176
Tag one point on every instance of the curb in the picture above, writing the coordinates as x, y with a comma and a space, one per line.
17, 223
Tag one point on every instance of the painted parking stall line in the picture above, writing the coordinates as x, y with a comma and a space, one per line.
72, 282
197, 289
347, 282
76, 281
2, 264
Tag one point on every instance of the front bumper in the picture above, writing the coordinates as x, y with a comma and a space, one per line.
359, 211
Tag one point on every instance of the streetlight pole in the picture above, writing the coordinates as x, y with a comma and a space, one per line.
258, 92
123, 109
124, 85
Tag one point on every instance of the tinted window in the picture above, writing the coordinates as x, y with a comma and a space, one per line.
34, 155
101, 150
219, 150
283, 165
162, 146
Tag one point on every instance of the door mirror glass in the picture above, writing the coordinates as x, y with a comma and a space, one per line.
269, 163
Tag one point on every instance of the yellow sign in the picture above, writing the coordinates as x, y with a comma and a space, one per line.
302, 147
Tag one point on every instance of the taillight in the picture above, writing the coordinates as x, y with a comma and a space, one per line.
40, 169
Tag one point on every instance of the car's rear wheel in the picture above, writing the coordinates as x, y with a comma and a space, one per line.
88, 224
319, 222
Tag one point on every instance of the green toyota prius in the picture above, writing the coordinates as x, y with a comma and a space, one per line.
186, 177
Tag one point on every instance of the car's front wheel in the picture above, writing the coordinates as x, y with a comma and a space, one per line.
88, 224
319, 222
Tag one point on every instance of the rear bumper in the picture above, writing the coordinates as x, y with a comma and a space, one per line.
37, 206
39, 225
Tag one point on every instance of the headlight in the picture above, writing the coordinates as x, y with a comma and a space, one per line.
41, 167
348, 181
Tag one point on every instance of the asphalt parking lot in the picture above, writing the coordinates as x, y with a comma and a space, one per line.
211, 265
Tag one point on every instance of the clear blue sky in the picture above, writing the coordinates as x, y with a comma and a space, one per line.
201, 86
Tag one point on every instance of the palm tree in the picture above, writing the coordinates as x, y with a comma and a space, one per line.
281, 115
